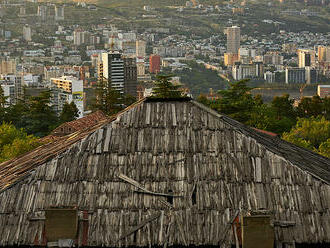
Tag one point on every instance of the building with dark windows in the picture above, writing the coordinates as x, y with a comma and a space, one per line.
295, 75
130, 76
113, 70
119, 71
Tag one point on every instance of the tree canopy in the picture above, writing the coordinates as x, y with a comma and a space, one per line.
14, 142
36, 115
312, 133
237, 101
306, 125
40, 118
109, 100
70, 112
164, 88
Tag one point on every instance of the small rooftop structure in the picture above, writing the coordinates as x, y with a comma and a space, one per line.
79, 124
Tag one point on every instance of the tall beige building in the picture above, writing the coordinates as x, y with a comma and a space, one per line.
233, 39
323, 54
42, 12
8, 66
140, 48
27, 36
141, 69
59, 13
306, 57
79, 37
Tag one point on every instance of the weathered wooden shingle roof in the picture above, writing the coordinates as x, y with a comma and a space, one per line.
13, 170
309, 161
119, 173
19, 168
315, 164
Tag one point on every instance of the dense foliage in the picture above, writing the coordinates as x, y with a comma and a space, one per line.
307, 125
14, 142
70, 112
36, 115
109, 100
311, 133
165, 89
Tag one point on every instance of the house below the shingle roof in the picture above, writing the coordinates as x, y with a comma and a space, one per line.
166, 173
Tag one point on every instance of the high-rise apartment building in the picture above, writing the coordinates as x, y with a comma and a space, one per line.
113, 70
310, 75
42, 12
130, 76
269, 77
141, 68
252, 70
8, 66
233, 39
12, 85
295, 75
120, 72
154, 61
306, 57
323, 54
27, 36
273, 58
78, 37
73, 89
22, 11
8, 93
59, 13
140, 48
230, 59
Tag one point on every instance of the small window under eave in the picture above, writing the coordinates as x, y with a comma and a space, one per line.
61, 223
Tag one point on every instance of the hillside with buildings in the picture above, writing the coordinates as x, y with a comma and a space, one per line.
154, 123
65, 55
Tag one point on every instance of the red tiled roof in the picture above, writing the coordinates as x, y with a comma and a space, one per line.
80, 124
266, 132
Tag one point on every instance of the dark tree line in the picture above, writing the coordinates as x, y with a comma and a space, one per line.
35, 114
297, 124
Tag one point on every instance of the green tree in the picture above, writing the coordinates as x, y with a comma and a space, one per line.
40, 118
309, 107
310, 133
203, 99
2, 105
165, 89
128, 99
238, 102
324, 148
17, 114
14, 142
326, 107
283, 107
70, 112
2, 98
107, 99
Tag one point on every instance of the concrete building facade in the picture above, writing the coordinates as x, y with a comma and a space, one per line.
27, 34
154, 61
295, 75
233, 39
74, 90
